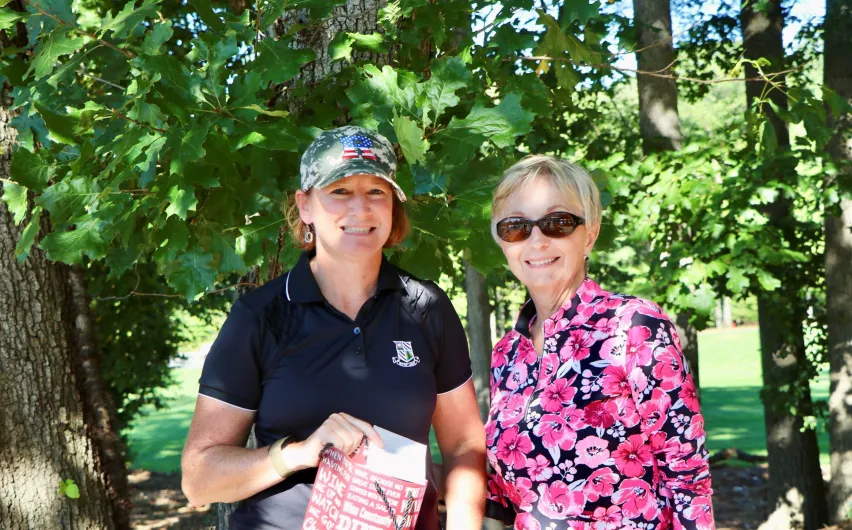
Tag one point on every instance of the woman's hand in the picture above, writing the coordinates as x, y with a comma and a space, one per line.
341, 430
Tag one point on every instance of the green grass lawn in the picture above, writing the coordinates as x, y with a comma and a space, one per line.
730, 380
730, 391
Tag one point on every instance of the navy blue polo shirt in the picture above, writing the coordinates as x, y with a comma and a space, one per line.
287, 354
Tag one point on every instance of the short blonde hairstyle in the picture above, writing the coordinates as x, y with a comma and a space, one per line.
575, 183
399, 224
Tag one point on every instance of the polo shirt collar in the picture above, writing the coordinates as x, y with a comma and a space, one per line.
301, 286
586, 292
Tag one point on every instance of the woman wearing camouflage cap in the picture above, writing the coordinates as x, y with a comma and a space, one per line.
343, 342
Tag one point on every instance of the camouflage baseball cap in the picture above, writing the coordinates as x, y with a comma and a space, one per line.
348, 151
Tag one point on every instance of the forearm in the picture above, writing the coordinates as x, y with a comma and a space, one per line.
229, 474
464, 487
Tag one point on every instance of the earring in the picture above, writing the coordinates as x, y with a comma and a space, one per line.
586, 265
309, 235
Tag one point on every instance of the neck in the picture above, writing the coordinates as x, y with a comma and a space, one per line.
548, 301
346, 284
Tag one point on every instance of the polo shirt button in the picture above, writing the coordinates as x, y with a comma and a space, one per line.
357, 331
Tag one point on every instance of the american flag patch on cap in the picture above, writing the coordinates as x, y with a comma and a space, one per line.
357, 146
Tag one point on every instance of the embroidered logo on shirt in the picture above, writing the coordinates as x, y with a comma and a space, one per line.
405, 355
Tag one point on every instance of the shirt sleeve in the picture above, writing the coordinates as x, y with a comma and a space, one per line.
231, 370
453, 366
671, 418
496, 505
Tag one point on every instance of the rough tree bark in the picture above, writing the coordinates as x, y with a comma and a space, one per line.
43, 432
479, 334
659, 121
100, 412
796, 491
838, 262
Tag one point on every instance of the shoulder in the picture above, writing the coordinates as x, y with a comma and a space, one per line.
422, 298
637, 311
259, 299
271, 308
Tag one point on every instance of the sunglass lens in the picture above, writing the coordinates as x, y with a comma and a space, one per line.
557, 225
514, 230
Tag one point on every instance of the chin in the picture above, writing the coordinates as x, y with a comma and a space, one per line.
357, 249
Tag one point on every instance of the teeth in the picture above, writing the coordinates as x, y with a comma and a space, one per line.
542, 261
351, 230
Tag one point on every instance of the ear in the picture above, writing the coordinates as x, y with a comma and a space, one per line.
303, 202
591, 237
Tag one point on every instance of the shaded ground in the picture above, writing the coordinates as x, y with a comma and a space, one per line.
158, 502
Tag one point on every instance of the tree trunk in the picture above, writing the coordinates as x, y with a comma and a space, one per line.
479, 335
100, 412
796, 491
356, 16
659, 121
43, 433
838, 260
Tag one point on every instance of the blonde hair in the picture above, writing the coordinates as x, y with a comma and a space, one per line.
572, 180
399, 225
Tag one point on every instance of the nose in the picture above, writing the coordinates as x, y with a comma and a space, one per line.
359, 203
537, 239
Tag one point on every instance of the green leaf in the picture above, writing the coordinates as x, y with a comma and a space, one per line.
581, 10
15, 197
127, 19
28, 235
340, 47
9, 18
72, 491
193, 274
281, 136
69, 198
277, 62
229, 260
154, 40
485, 255
253, 237
276, 113
208, 16
181, 199
500, 124
186, 147
149, 113
270, 11
737, 282
448, 75
768, 138
380, 92
767, 281
69, 246
50, 49
410, 137
30, 170
374, 42
61, 127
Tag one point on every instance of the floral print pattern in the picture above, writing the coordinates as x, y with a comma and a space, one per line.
603, 431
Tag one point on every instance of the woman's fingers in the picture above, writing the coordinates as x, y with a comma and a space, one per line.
344, 435
365, 428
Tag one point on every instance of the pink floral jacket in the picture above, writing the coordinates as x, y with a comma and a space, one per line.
603, 431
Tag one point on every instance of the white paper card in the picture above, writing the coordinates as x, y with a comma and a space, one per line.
400, 457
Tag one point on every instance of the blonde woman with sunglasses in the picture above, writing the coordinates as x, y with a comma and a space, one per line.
595, 422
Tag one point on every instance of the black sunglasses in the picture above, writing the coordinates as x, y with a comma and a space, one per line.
555, 225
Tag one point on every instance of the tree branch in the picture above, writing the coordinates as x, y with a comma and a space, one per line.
762, 79
126, 53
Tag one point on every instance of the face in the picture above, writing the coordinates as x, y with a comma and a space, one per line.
541, 263
352, 217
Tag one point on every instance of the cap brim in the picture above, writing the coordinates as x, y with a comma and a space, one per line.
364, 167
